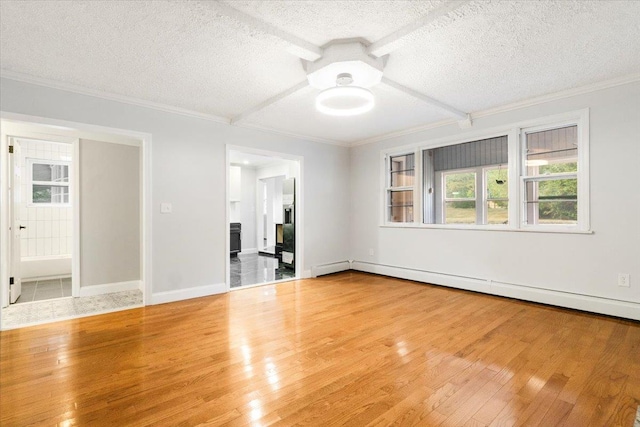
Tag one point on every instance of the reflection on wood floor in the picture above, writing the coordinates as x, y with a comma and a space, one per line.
346, 349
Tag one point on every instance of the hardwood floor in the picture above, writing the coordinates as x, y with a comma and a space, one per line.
347, 349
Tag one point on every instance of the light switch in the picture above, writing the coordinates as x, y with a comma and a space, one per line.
166, 208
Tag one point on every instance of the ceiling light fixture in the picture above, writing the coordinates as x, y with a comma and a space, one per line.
345, 100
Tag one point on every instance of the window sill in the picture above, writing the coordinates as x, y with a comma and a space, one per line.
554, 230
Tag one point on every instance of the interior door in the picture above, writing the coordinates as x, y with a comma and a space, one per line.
15, 281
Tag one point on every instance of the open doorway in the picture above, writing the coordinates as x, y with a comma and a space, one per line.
264, 217
71, 244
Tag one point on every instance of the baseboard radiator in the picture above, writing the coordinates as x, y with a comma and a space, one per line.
612, 307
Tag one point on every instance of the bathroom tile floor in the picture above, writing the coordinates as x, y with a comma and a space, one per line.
39, 290
51, 310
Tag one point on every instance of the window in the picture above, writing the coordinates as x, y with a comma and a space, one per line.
467, 183
550, 176
459, 197
531, 176
49, 182
400, 188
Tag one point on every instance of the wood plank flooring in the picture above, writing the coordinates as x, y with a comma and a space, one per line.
347, 349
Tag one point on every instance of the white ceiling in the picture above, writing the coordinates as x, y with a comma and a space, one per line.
195, 56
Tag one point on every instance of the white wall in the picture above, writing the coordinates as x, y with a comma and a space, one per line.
109, 213
188, 168
580, 264
247, 209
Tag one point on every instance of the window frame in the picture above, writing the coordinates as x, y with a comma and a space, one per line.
515, 142
30, 161
581, 121
388, 189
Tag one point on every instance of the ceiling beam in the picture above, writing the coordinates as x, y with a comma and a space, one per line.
297, 46
459, 114
394, 40
269, 101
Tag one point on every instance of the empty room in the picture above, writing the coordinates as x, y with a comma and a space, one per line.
318, 212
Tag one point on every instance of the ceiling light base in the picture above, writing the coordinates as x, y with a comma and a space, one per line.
340, 57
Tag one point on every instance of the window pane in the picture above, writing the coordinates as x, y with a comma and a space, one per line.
52, 173
552, 151
460, 212
50, 194
460, 185
497, 196
59, 173
498, 212
552, 202
402, 170
401, 206
41, 172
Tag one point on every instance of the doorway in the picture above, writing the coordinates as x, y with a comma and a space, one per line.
115, 167
41, 219
264, 193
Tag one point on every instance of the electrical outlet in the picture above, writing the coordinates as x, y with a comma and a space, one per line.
623, 279
371, 251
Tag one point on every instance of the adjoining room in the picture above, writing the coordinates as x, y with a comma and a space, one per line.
262, 212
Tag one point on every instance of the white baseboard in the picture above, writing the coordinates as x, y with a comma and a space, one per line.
334, 267
182, 294
625, 309
108, 288
249, 251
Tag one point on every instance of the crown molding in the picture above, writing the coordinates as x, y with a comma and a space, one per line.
69, 87
606, 84
26, 78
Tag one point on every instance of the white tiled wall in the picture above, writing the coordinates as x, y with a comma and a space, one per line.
49, 229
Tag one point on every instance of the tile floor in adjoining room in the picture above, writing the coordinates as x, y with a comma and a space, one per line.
51, 310
39, 290
251, 269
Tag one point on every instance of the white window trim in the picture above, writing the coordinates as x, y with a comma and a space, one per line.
30, 161
513, 132
386, 185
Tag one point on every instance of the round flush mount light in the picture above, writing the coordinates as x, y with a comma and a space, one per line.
343, 100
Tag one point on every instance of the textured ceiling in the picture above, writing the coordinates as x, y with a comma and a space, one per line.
191, 55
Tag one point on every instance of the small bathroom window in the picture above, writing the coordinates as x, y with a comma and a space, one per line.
49, 182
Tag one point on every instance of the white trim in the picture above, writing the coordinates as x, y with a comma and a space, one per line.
594, 304
108, 288
112, 135
631, 78
248, 251
25, 78
335, 267
188, 293
514, 132
70, 87
488, 227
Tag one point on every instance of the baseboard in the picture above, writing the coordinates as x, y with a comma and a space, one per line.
109, 288
249, 251
334, 267
182, 294
625, 309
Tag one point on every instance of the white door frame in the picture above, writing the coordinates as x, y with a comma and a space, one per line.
66, 128
299, 209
